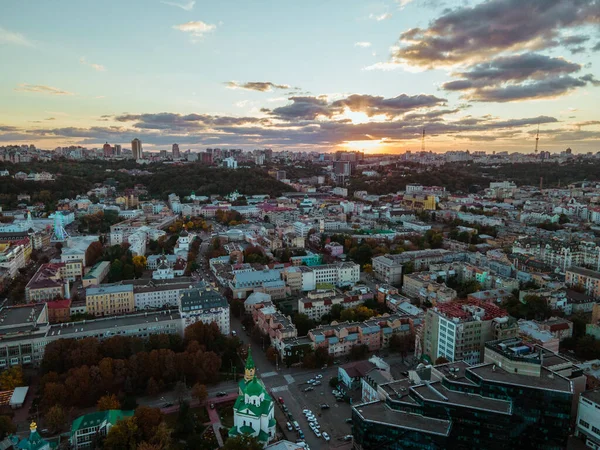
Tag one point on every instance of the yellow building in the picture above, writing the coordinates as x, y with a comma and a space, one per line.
420, 202
109, 299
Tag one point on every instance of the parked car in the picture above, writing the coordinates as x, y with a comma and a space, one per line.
308, 389
349, 420
318, 377
326, 437
296, 425
311, 381
221, 394
289, 426
324, 406
300, 434
317, 433
281, 400
317, 383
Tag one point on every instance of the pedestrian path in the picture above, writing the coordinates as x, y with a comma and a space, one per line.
280, 388
289, 379
269, 374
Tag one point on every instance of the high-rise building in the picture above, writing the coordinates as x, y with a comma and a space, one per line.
176, 154
458, 331
522, 396
107, 150
136, 149
117, 149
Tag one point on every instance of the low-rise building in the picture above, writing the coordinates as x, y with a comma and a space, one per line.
204, 304
87, 429
588, 418
110, 299
96, 274
49, 282
59, 310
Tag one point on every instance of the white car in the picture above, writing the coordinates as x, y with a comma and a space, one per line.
326, 436
318, 377
306, 411
311, 381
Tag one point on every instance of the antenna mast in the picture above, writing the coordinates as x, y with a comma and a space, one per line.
537, 138
423, 141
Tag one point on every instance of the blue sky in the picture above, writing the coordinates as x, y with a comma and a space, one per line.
327, 74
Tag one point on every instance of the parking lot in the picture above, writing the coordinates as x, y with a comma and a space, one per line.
331, 420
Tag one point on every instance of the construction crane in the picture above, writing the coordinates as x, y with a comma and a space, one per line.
537, 138
423, 141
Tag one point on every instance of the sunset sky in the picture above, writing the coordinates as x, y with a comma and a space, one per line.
302, 75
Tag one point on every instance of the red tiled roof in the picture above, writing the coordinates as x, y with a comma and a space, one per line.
59, 304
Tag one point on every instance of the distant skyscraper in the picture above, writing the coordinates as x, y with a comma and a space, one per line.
136, 148
176, 151
117, 150
107, 150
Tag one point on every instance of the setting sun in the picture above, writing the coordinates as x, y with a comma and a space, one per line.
356, 117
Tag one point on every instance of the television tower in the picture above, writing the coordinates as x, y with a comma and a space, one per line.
537, 138
423, 141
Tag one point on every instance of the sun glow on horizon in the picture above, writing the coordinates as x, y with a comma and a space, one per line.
356, 117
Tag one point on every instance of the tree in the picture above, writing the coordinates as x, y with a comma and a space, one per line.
358, 352
6, 427
55, 418
271, 354
94, 253
334, 382
148, 419
108, 402
199, 392
139, 264
441, 360
152, 387
303, 324
336, 311
123, 435
11, 378
180, 391
242, 442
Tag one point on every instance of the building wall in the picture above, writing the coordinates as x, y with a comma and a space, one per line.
108, 303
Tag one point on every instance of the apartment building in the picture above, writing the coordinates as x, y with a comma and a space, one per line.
560, 253
204, 304
424, 287
318, 303
245, 282
51, 281
459, 330
387, 269
339, 339
110, 299
587, 279
12, 258
276, 325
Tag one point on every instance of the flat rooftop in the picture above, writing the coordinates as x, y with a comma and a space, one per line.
593, 396
546, 380
20, 315
105, 324
381, 413
584, 272
436, 392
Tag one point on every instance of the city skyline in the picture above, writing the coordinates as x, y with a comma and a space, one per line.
340, 75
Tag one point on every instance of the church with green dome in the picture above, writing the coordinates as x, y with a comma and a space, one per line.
254, 410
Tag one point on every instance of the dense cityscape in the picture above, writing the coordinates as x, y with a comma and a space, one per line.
337, 225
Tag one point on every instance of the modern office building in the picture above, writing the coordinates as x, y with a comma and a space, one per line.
521, 397
175, 150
